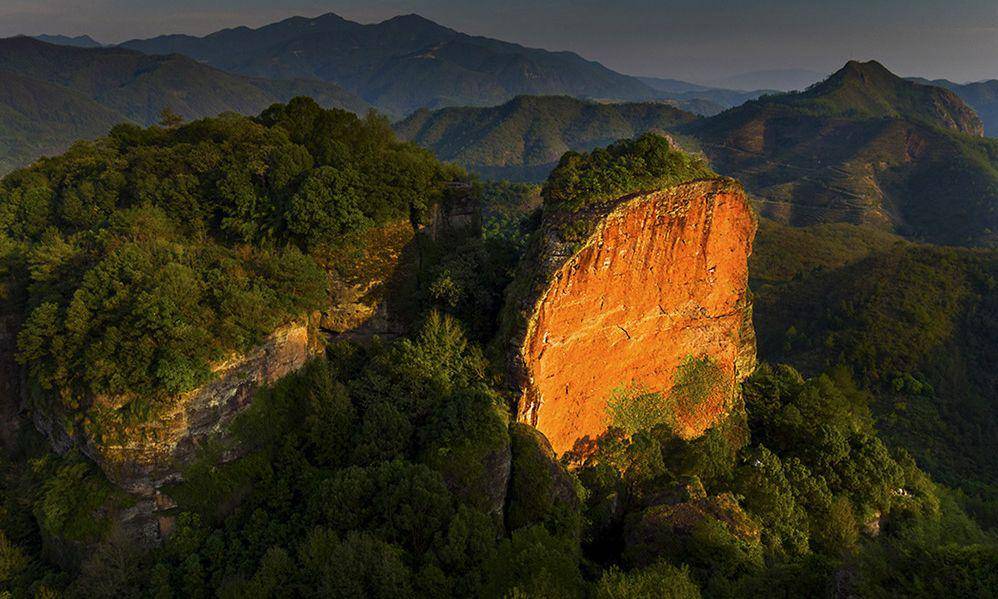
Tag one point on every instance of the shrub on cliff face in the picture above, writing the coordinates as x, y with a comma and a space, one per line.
643, 164
632, 410
695, 380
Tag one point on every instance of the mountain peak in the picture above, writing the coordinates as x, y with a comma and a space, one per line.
869, 72
869, 89
411, 18
80, 41
413, 22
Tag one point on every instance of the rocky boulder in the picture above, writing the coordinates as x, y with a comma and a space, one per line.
538, 483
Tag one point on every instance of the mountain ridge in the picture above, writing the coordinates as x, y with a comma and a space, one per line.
524, 138
865, 147
401, 64
701, 99
111, 85
79, 41
982, 96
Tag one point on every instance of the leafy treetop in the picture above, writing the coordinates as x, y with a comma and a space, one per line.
630, 166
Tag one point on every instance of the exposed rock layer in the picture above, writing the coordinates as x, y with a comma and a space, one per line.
143, 457
661, 277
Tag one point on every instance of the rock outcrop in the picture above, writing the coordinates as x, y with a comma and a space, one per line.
538, 483
363, 279
368, 282
661, 528
143, 457
658, 278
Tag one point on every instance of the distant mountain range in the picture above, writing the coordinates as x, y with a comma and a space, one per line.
699, 99
402, 64
867, 147
524, 138
52, 95
863, 146
982, 96
80, 41
778, 79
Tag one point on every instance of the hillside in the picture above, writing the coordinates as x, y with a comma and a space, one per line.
59, 94
185, 224
863, 146
914, 324
401, 64
982, 96
38, 118
523, 139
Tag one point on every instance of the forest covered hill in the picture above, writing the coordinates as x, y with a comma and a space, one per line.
393, 469
865, 147
523, 139
54, 95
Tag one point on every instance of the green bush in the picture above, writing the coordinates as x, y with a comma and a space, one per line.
659, 580
643, 164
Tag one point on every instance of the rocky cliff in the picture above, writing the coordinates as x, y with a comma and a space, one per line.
367, 283
142, 457
659, 279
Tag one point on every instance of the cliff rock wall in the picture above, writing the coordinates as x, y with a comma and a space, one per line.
143, 457
661, 277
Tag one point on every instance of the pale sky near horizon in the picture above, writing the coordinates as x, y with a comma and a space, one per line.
696, 40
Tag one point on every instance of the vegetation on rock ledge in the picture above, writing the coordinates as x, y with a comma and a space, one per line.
647, 163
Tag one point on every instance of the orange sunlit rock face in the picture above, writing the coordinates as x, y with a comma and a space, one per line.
663, 277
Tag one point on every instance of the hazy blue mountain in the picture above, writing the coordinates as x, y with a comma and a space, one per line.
779, 79
401, 64
673, 86
80, 41
700, 99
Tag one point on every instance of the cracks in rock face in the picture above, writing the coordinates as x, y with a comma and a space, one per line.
647, 268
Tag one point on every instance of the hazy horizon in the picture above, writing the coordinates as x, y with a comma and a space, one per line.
703, 42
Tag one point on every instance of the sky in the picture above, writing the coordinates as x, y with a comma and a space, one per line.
694, 40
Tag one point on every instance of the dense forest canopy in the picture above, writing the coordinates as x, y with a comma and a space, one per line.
173, 246
914, 323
